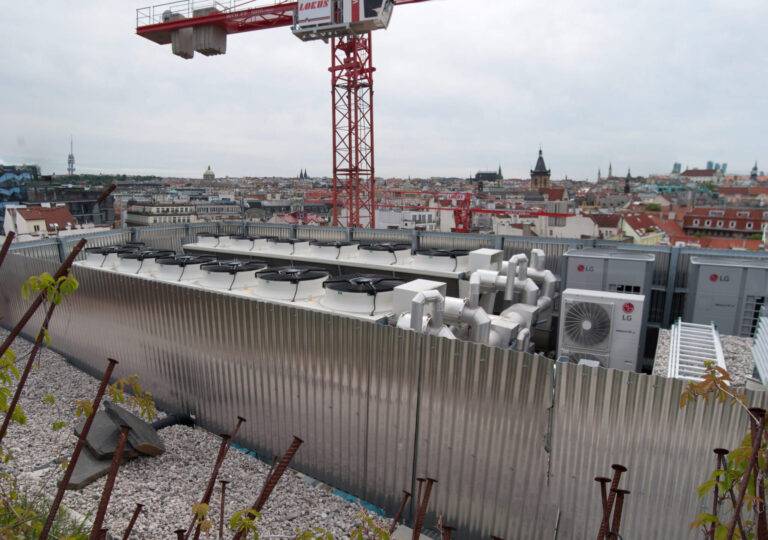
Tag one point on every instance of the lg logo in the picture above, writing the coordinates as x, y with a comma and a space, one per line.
629, 309
714, 278
582, 268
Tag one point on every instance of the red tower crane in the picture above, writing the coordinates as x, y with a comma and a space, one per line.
203, 26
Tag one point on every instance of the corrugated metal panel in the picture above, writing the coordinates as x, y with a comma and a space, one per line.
381, 235
606, 416
266, 229
288, 371
482, 427
42, 249
430, 240
164, 237
328, 234
760, 347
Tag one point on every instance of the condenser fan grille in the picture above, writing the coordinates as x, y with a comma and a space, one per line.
587, 324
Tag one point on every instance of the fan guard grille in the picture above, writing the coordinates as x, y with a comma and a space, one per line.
587, 324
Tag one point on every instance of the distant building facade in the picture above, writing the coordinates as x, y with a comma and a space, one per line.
208, 175
142, 214
14, 182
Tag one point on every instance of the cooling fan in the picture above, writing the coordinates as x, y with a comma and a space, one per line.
587, 324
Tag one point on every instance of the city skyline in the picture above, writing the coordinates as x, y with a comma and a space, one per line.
539, 79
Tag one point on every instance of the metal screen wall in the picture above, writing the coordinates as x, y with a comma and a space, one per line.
369, 400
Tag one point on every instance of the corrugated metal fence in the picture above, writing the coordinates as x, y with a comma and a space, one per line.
513, 440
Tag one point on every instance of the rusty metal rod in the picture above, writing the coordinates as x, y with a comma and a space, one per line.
25, 372
396, 521
221, 508
732, 495
716, 495
272, 480
759, 414
6, 246
226, 442
603, 481
78, 448
131, 523
63, 269
447, 532
618, 470
616, 525
762, 524
106, 493
180, 534
423, 506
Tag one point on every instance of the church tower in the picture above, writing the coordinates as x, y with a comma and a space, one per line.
540, 175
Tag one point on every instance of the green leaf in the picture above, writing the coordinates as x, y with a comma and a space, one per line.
721, 532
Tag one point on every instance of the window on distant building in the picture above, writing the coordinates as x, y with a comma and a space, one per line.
716, 213
708, 223
749, 225
742, 214
765, 215
719, 223
732, 224
37, 228
696, 222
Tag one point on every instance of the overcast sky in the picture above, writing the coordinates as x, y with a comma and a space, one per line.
461, 85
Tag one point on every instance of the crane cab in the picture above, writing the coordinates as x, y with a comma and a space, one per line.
323, 19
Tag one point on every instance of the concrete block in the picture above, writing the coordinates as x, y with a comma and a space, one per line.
89, 468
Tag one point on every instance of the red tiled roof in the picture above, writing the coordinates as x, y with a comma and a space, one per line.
641, 223
56, 218
606, 221
699, 172
554, 193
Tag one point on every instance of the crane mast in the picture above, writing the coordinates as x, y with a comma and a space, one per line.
347, 24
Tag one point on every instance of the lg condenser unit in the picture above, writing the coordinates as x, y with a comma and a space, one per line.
728, 292
601, 326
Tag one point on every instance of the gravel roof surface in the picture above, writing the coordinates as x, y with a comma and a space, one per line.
736, 350
167, 485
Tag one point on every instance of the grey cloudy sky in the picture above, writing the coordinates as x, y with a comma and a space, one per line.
461, 85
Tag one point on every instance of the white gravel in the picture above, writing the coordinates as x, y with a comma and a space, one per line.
167, 485
736, 350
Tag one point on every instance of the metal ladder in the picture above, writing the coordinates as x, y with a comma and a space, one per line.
690, 346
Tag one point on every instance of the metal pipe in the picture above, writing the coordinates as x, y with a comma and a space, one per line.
78, 448
106, 493
523, 340
63, 269
603, 481
396, 520
131, 523
538, 259
716, 495
423, 505
180, 534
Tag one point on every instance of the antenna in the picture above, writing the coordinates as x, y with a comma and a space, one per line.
71, 157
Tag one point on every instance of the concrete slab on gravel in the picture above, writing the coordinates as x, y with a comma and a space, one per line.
103, 436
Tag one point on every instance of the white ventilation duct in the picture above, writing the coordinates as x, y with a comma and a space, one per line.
212, 240
107, 257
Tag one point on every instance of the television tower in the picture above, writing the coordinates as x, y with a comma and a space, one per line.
71, 158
